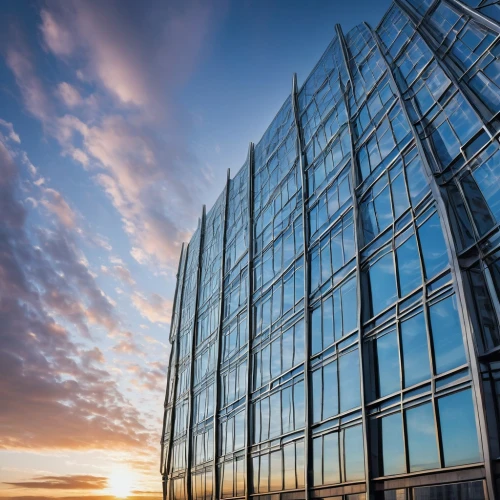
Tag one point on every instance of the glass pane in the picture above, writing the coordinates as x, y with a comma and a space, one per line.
354, 454
456, 415
422, 447
388, 364
446, 335
382, 283
409, 275
433, 246
415, 350
317, 383
349, 381
331, 469
318, 461
275, 479
331, 393
393, 456
289, 466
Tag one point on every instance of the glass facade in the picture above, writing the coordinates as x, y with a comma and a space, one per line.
336, 322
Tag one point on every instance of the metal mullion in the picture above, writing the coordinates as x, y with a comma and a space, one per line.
215, 475
358, 232
191, 356
185, 251
307, 349
467, 334
248, 435
474, 14
466, 94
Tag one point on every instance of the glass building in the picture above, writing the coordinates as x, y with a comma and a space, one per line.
336, 324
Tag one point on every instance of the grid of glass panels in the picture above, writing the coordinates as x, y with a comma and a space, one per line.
390, 153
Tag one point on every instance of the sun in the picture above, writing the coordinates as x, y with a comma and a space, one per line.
120, 482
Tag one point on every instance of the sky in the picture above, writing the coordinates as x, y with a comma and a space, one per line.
118, 120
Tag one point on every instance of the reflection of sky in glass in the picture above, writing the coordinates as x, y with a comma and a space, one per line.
354, 455
388, 364
408, 266
415, 350
392, 445
349, 381
383, 283
447, 335
456, 414
421, 438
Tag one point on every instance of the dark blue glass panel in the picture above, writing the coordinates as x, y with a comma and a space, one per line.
456, 415
446, 335
421, 432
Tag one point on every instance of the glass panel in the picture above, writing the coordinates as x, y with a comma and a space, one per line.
456, 415
409, 275
331, 469
354, 454
433, 246
318, 461
349, 381
382, 283
331, 393
446, 335
275, 480
393, 456
422, 447
388, 364
415, 350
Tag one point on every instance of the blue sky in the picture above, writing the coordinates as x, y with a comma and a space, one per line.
118, 120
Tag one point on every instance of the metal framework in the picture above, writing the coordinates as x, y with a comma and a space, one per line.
362, 241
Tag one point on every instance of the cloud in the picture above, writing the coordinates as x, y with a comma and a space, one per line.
44, 374
152, 377
127, 345
57, 36
153, 307
55, 203
70, 482
11, 132
21, 62
69, 95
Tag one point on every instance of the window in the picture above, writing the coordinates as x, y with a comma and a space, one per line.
433, 245
456, 414
446, 335
393, 455
415, 350
387, 354
349, 381
421, 431
328, 468
382, 282
354, 454
335, 316
334, 251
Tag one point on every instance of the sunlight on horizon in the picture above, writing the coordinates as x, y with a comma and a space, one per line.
120, 482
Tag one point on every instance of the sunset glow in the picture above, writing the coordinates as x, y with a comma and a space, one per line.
120, 482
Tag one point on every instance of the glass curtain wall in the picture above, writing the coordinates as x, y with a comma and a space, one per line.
335, 331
